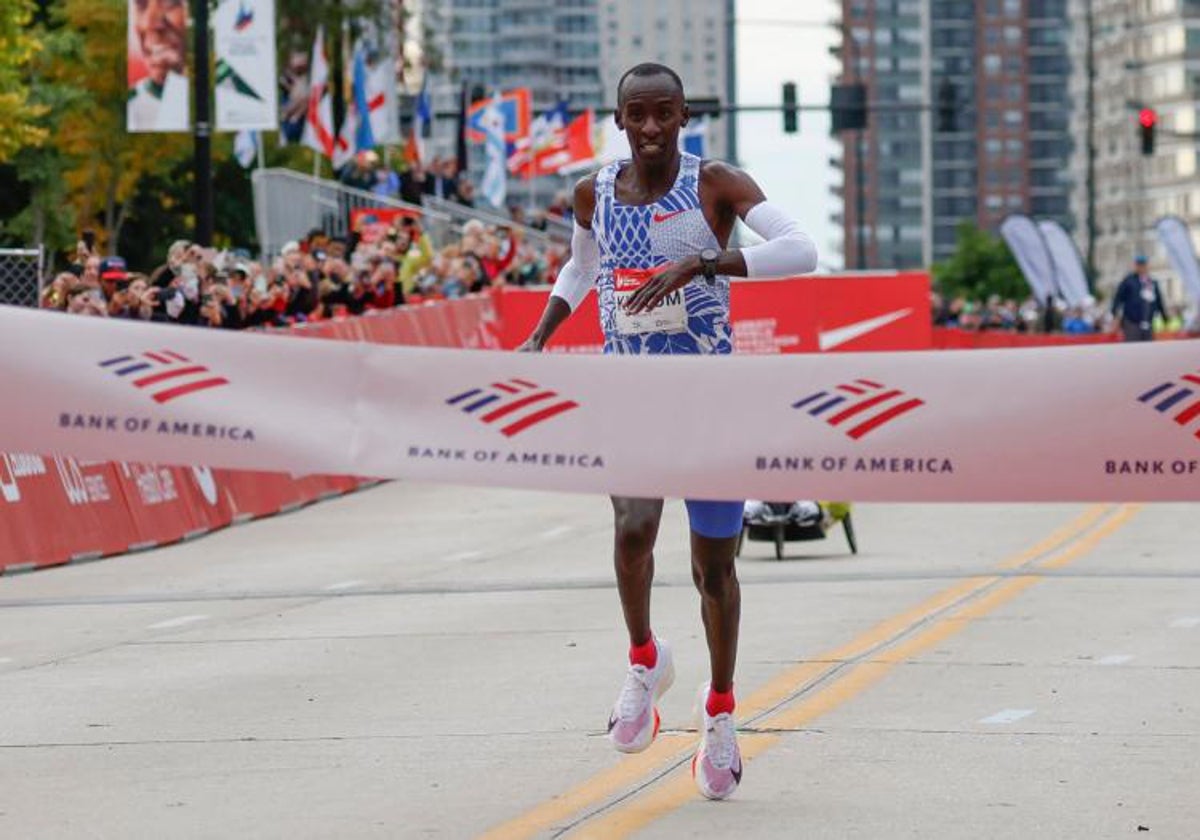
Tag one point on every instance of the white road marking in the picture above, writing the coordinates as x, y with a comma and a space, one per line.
561, 530
177, 622
5, 660
1007, 716
1191, 622
1115, 659
346, 584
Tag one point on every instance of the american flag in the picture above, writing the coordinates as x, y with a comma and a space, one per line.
163, 374
512, 406
1177, 399
860, 407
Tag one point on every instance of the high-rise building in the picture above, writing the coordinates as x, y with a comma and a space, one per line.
551, 47
1006, 148
575, 50
884, 195
1145, 56
692, 37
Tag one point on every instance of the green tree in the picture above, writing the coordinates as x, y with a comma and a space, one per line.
981, 266
47, 218
19, 125
107, 162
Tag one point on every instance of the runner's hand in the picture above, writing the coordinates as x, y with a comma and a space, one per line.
673, 277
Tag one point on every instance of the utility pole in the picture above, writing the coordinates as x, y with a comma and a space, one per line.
1090, 25
202, 131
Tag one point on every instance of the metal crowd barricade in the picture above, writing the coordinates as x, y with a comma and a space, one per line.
289, 204
21, 279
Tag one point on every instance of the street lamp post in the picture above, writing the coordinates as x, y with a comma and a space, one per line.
202, 130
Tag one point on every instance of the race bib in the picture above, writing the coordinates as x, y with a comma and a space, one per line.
668, 317
1147, 295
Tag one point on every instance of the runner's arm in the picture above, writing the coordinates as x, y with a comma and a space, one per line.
575, 278
787, 250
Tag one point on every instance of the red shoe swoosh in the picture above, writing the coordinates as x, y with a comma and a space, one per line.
662, 217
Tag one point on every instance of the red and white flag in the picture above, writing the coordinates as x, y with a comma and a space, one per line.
318, 126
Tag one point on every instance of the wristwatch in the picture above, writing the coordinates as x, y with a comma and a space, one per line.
708, 264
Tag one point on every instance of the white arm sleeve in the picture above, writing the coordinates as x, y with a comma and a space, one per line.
788, 250
577, 277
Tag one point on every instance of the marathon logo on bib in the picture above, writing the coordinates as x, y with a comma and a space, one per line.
670, 316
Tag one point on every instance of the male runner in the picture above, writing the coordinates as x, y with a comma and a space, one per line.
651, 234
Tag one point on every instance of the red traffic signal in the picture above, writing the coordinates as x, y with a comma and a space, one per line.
1148, 121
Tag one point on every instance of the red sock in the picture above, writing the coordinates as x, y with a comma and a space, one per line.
644, 654
719, 702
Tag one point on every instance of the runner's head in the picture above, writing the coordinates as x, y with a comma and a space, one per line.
651, 109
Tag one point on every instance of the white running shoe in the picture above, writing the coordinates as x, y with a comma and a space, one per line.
717, 765
634, 721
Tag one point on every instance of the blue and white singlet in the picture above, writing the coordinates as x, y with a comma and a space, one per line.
632, 237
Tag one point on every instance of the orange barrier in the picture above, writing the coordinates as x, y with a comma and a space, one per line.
61, 510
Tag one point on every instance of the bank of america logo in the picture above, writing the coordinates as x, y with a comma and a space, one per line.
512, 406
860, 407
164, 374
1175, 400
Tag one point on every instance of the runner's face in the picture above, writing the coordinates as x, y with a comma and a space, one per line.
161, 27
652, 112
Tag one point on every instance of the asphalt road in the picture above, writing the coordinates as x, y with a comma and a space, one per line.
420, 661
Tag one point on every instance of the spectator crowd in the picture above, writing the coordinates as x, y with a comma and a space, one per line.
1028, 316
313, 279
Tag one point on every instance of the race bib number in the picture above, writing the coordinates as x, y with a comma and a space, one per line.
669, 316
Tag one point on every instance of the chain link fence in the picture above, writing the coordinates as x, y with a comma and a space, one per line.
21, 276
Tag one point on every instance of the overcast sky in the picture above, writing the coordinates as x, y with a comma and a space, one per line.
793, 169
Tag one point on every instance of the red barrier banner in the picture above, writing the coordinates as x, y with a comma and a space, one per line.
58, 510
372, 223
947, 338
797, 315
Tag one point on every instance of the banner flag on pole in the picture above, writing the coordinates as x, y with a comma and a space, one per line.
318, 127
159, 97
414, 150
1176, 238
245, 148
246, 81
1029, 248
495, 178
1068, 265
514, 107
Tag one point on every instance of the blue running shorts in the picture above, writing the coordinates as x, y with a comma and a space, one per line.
715, 520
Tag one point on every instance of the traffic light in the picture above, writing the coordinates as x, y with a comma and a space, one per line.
791, 122
947, 107
705, 106
848, 104
1148, 122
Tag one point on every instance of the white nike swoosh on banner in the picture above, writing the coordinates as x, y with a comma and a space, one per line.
829, 339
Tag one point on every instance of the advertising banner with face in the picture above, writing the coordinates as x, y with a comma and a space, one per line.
159, 88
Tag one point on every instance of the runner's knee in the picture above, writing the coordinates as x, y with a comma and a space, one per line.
635, 535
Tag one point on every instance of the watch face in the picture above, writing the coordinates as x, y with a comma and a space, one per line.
708, 255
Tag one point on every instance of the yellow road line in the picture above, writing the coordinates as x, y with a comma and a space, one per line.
669, 749
679, 788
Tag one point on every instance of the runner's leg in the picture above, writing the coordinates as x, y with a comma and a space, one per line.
636, 522
715, 575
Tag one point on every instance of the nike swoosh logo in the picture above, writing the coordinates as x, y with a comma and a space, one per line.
829, 339
662, 217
